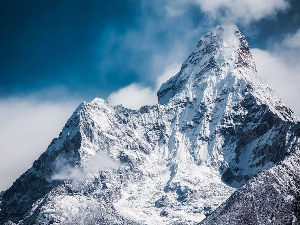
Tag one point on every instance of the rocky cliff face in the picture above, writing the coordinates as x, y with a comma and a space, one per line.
217, 124
271, 197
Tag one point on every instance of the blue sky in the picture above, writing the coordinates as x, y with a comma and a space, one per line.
55, 54
91, 48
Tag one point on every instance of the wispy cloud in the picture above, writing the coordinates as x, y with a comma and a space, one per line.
174, 11
96, 163
292, 40
232, 11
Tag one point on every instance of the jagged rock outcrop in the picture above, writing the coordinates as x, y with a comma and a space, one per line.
217, 124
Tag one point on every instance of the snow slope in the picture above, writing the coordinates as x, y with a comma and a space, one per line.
217, 124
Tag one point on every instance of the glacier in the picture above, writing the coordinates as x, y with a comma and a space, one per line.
216, 126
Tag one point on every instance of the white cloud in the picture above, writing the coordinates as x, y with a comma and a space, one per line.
96, 163
132, 96
292, 41
27, 127
174, 12
233, 11
135, 95
281, 73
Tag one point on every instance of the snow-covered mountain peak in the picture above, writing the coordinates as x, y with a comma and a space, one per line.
221, 63
225, 44
217, 124
217, 54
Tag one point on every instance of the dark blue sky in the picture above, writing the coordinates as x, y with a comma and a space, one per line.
91, 48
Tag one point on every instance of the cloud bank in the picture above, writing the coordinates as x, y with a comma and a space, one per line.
280, 67
136, 95
27, 127
281, 74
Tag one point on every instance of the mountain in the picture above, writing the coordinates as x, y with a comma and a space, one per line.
271, 197
217, 124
